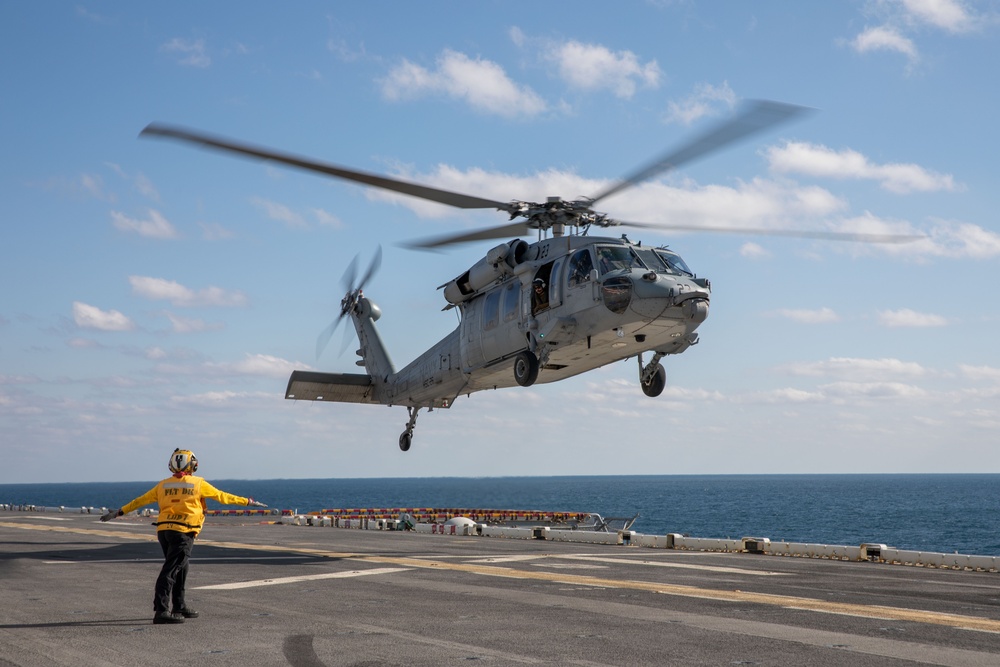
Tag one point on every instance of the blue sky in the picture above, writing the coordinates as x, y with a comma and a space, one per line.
157, 295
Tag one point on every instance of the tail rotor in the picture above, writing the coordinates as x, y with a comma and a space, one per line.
350, 300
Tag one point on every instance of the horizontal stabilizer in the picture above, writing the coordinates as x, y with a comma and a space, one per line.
334, 387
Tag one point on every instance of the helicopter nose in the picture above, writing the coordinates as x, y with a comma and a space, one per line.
668, 297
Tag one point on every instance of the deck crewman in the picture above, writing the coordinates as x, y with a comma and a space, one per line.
181, 499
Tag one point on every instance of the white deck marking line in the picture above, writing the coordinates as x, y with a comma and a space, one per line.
293, 580
160, 560
687, 566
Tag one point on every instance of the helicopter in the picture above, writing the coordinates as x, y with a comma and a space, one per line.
534, 311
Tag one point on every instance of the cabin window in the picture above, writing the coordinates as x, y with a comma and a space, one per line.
580, 267
511, 298
491, 310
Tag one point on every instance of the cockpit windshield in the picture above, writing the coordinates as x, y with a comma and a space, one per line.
674, 262
651, 260
615, 257
660, 260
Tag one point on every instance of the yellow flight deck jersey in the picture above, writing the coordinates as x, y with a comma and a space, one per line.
182, 502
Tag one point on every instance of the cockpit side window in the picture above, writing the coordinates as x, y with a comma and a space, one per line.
615, 258
580, 267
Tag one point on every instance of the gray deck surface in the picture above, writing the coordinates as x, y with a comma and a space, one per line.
74, 591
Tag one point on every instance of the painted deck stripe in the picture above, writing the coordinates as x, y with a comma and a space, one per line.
686, 566
294, 580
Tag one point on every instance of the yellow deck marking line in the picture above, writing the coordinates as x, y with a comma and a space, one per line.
686, 566
787, 601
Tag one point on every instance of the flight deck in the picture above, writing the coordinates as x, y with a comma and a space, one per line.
75, 591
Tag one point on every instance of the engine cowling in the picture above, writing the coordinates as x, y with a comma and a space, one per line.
499, 262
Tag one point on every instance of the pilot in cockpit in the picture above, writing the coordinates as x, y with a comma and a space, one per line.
539, 296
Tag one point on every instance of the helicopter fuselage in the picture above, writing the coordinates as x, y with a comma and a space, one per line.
600, 300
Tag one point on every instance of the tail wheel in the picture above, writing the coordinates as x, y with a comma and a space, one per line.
526, 368
656, 383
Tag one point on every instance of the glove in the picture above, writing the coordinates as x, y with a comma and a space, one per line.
111, 515
254, 503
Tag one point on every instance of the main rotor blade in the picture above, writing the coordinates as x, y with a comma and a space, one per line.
504, 231
857, 237
422, 191
756, 116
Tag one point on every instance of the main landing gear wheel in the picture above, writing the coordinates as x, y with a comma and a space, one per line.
656, 383
406, 437
526, 368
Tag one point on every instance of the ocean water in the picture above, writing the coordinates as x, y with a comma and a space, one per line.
940, 513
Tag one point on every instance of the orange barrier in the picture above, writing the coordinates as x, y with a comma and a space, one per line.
438, 515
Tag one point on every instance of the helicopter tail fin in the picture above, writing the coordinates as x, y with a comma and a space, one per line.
374, 356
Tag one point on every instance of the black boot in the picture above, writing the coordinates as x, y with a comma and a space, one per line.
162, 617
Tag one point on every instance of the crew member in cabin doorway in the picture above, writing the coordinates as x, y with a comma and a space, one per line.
539, 296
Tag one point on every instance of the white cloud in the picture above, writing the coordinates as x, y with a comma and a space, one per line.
189, 325
213, 231
859, 369
326, 219
279, 212
980, 372
155, 227
140, 181
910, 318
482, 84
949, 15
875, 390
260, 364
959, 239
90, 317
216, 399
802, 316
146, 187
898, 17
885, 38
706, 100
93, 184
780, 396
592, 67
817, 160
517, 36
179, 295
754, 251
190, 52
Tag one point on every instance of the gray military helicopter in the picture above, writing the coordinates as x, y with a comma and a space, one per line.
531, 311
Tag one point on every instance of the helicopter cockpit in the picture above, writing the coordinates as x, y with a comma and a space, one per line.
612, 258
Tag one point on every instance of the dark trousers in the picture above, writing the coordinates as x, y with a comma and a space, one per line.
173, 575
